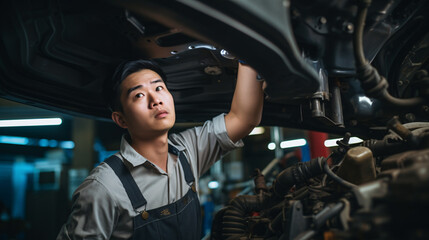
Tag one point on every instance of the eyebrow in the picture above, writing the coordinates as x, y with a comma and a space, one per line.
139, 86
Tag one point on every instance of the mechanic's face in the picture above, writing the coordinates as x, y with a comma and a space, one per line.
148, 107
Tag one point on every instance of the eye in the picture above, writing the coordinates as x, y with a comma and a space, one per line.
159, 88
139, 95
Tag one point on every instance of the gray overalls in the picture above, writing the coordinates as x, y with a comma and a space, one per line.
178, 220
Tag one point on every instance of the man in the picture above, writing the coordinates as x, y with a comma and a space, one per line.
148, 189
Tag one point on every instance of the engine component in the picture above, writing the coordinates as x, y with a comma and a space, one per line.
358, 166
405, 159
299, 173
232, 220
356, 196
372, 82
304, 227
375, 191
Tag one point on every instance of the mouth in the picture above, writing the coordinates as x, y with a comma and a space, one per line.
161, 114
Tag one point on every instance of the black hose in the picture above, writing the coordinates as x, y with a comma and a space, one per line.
298, 173
335, 177
216, 230
371, 81
234, 218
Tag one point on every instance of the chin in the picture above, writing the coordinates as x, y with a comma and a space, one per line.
167, 125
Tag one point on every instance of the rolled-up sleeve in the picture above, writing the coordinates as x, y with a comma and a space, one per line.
221, 134
93, 215
206, 144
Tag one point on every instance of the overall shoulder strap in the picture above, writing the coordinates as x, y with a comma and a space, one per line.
133, 191
189, 176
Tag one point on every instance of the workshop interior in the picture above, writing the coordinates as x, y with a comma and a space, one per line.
342, 149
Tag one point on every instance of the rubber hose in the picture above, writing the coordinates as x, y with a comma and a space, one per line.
358, 36
234, 218
298, 173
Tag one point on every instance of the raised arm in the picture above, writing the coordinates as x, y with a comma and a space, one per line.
246, 107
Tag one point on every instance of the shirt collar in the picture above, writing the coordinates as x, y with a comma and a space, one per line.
133, 157
129, 154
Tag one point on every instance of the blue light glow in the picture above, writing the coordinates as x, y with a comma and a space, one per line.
67, 144
53, 143
43, 142
36, 142
14, 140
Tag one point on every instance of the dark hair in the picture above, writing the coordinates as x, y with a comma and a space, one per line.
126, 68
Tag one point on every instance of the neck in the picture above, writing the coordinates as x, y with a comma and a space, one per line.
154, 149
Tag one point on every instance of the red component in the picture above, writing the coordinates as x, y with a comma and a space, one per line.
254, 214
317, 144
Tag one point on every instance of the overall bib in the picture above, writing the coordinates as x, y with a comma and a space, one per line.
178, 220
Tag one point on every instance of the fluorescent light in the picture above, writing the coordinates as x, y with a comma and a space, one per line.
293, 143
257, 131
289, 144
271, 146
213, 184
333, 142
30, 122
354, 140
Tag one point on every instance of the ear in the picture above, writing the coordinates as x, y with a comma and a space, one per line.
119, 119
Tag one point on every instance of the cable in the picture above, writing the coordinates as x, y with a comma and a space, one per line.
371, 81
335, 177
358, 36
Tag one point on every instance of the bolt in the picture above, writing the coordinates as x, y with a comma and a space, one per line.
348, 27
323, 20
425, 108
213, 70
400, 83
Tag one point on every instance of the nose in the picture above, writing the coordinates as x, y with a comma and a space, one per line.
155, 101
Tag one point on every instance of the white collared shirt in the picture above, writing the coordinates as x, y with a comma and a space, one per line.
101, 208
